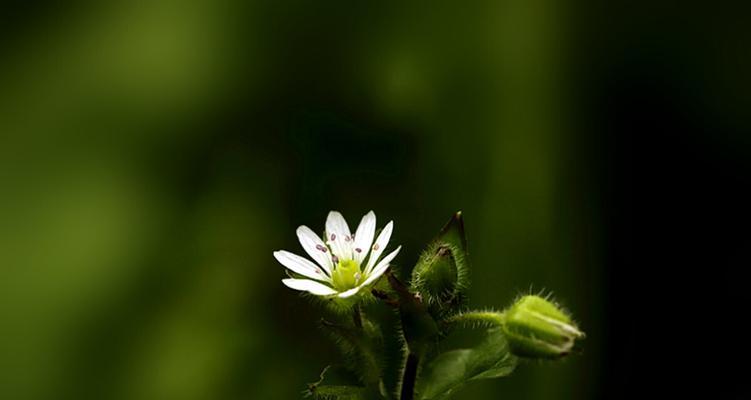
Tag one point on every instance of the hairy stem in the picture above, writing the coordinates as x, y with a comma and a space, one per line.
475, 319
409, 377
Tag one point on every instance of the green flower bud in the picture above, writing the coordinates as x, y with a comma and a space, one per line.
537, 328
440, 275
436, 275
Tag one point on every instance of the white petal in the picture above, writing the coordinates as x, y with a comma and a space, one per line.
314, 246
364, 236
309, 286
381, 267
338, 235
380, 245
300, 265
350, 292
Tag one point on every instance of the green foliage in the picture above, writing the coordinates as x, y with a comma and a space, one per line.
331, 392
453, 369
430, 309
361, 346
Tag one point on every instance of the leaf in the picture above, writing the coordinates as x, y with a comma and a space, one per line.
334, 392
339, 391
453, 369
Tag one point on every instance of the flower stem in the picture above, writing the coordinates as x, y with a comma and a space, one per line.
409, 377
476, 319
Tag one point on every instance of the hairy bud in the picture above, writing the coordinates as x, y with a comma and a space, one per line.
537, 328
441, 275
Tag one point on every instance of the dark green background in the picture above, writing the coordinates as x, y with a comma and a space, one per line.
153, 156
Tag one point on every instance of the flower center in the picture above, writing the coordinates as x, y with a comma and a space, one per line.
346, 275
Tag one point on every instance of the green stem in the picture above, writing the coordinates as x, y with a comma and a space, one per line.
475, 319
409, 377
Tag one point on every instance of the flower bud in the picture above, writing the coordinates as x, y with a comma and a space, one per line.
440, 276
435, 276
537, 328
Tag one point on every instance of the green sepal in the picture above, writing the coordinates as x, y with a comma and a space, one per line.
453, 232
450, 371
342, 306
441, 276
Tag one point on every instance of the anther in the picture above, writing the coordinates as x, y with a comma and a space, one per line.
321, 248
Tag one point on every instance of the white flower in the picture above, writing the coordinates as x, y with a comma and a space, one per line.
340, 266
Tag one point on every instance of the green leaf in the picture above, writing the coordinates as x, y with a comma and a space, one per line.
333, 392
450, 371
341, 391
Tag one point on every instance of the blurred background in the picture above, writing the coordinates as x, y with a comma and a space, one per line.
154, 154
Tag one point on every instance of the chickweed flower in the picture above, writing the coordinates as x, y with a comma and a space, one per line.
345, 263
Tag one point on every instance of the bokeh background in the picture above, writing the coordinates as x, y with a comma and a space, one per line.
154, 154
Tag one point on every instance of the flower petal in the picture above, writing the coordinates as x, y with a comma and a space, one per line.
350, 292
380, 245
314, 246
313, 287
300, 265
338, 235
381, 267
364, 236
